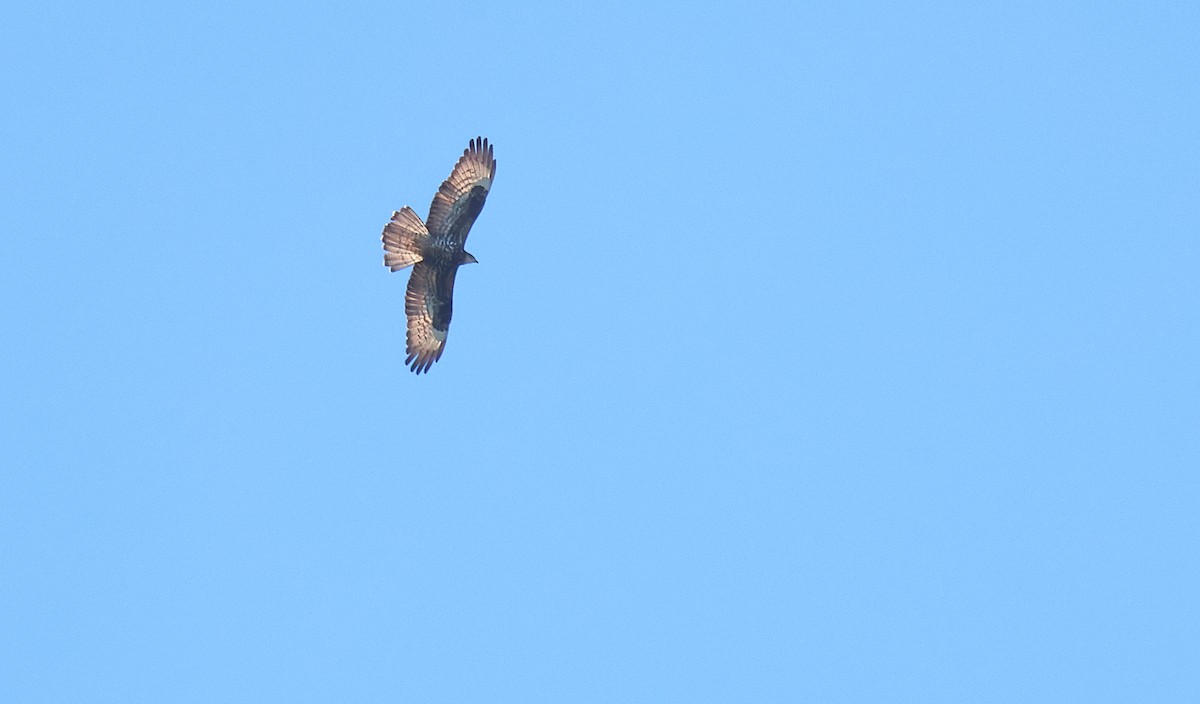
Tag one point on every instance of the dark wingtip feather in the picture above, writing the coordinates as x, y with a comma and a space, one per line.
420, 362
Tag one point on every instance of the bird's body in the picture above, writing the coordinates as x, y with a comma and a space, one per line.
435, 249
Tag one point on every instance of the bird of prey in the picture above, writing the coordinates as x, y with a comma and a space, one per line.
434, 249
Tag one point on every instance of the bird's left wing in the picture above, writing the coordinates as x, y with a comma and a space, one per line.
429, 305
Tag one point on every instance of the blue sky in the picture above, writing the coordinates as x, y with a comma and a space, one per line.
833, 353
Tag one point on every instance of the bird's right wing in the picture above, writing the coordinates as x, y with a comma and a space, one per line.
459, 200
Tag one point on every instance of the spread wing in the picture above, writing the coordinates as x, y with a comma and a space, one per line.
459, 200
429, 304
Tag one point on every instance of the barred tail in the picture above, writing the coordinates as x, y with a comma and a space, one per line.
403, 238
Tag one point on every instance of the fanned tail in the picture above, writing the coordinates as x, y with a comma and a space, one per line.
403, 239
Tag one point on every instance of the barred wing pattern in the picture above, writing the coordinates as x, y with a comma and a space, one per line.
458, 202
429, 304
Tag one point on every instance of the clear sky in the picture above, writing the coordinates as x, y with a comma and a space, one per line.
834, 352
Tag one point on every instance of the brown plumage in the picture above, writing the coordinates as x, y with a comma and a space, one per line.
435, 250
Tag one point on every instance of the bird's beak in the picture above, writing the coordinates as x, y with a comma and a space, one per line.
469, 258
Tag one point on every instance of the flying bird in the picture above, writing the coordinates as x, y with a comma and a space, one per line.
434, 249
